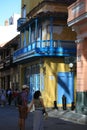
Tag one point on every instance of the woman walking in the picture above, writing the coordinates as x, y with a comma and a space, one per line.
39, 111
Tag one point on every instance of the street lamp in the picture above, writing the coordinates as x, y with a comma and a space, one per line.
71, 66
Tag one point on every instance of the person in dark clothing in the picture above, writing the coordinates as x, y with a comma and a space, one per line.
9, 93
23, 107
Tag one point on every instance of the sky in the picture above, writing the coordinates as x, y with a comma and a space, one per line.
8, 8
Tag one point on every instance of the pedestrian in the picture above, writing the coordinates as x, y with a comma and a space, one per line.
3, 98
39, 111
23, 106
15, 95
9, 95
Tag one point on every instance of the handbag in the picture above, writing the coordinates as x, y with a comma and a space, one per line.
43, 111
45, 115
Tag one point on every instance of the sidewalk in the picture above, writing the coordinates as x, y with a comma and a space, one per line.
68, 115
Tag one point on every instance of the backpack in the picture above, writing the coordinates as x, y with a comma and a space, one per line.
19, 99
22, 99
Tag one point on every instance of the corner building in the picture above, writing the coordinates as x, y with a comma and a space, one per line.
46, 49
77, 19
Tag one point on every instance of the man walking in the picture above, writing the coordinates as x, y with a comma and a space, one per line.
22, 106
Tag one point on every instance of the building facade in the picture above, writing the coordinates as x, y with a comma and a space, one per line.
46, 49
77, 19
9, 72
9, 42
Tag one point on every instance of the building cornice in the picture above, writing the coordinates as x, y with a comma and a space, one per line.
46, 6
78, 19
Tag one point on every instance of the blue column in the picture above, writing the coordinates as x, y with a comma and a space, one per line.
51, 35
36, 29
24, 38
29, 34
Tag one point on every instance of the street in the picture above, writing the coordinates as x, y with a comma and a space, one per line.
9, 121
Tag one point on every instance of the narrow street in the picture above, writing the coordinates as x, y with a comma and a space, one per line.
9, 121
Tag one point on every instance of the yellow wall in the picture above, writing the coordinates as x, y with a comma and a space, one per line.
66, 34
53, 66
30, 4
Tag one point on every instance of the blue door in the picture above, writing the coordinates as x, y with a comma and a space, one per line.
65, 87
34, 84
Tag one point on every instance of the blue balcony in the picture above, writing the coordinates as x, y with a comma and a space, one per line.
45, 48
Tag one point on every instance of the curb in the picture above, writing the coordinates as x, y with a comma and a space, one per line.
68, 115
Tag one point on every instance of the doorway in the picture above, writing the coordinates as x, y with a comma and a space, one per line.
65, 86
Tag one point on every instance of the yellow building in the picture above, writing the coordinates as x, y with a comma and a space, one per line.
46, 49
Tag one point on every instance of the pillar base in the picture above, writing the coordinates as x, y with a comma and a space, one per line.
81, 102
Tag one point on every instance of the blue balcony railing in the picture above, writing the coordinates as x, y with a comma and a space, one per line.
46, 48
